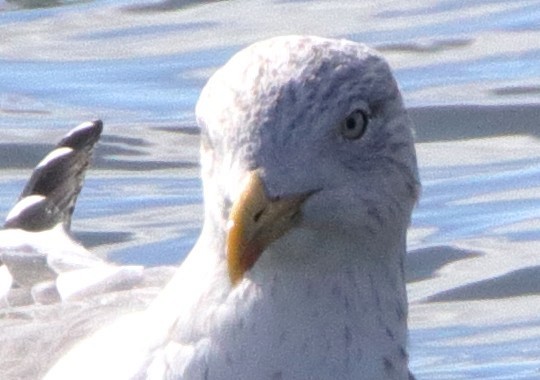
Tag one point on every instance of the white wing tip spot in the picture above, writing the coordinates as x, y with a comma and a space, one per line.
80, 127
23, 204
53, 155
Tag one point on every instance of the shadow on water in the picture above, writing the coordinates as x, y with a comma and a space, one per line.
16, 156
144, 31
169, 5
422, 264
443, 123
93, 239
517, 283
38, 4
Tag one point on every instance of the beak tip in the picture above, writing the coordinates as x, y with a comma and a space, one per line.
235, 277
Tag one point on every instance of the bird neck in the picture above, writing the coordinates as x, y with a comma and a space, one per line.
349, 299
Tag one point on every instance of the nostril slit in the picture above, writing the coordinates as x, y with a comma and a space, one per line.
258, 215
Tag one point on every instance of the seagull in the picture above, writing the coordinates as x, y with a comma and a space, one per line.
39, 255
309, 177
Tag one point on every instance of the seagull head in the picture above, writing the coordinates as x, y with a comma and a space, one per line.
305, 134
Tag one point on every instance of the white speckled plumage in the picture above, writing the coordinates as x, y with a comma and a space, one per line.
325, 300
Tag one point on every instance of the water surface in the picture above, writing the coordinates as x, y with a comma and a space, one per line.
469, 72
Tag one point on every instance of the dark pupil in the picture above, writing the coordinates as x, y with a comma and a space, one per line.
350, 123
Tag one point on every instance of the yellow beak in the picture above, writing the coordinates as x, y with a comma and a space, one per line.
256, 221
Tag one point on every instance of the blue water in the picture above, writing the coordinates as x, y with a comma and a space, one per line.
443, 189
144, 186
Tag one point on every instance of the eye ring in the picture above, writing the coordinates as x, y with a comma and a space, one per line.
354, 126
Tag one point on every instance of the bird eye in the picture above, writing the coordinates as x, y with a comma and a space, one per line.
354, 125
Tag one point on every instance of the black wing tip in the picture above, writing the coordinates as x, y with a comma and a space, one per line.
51, 192
85, 134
